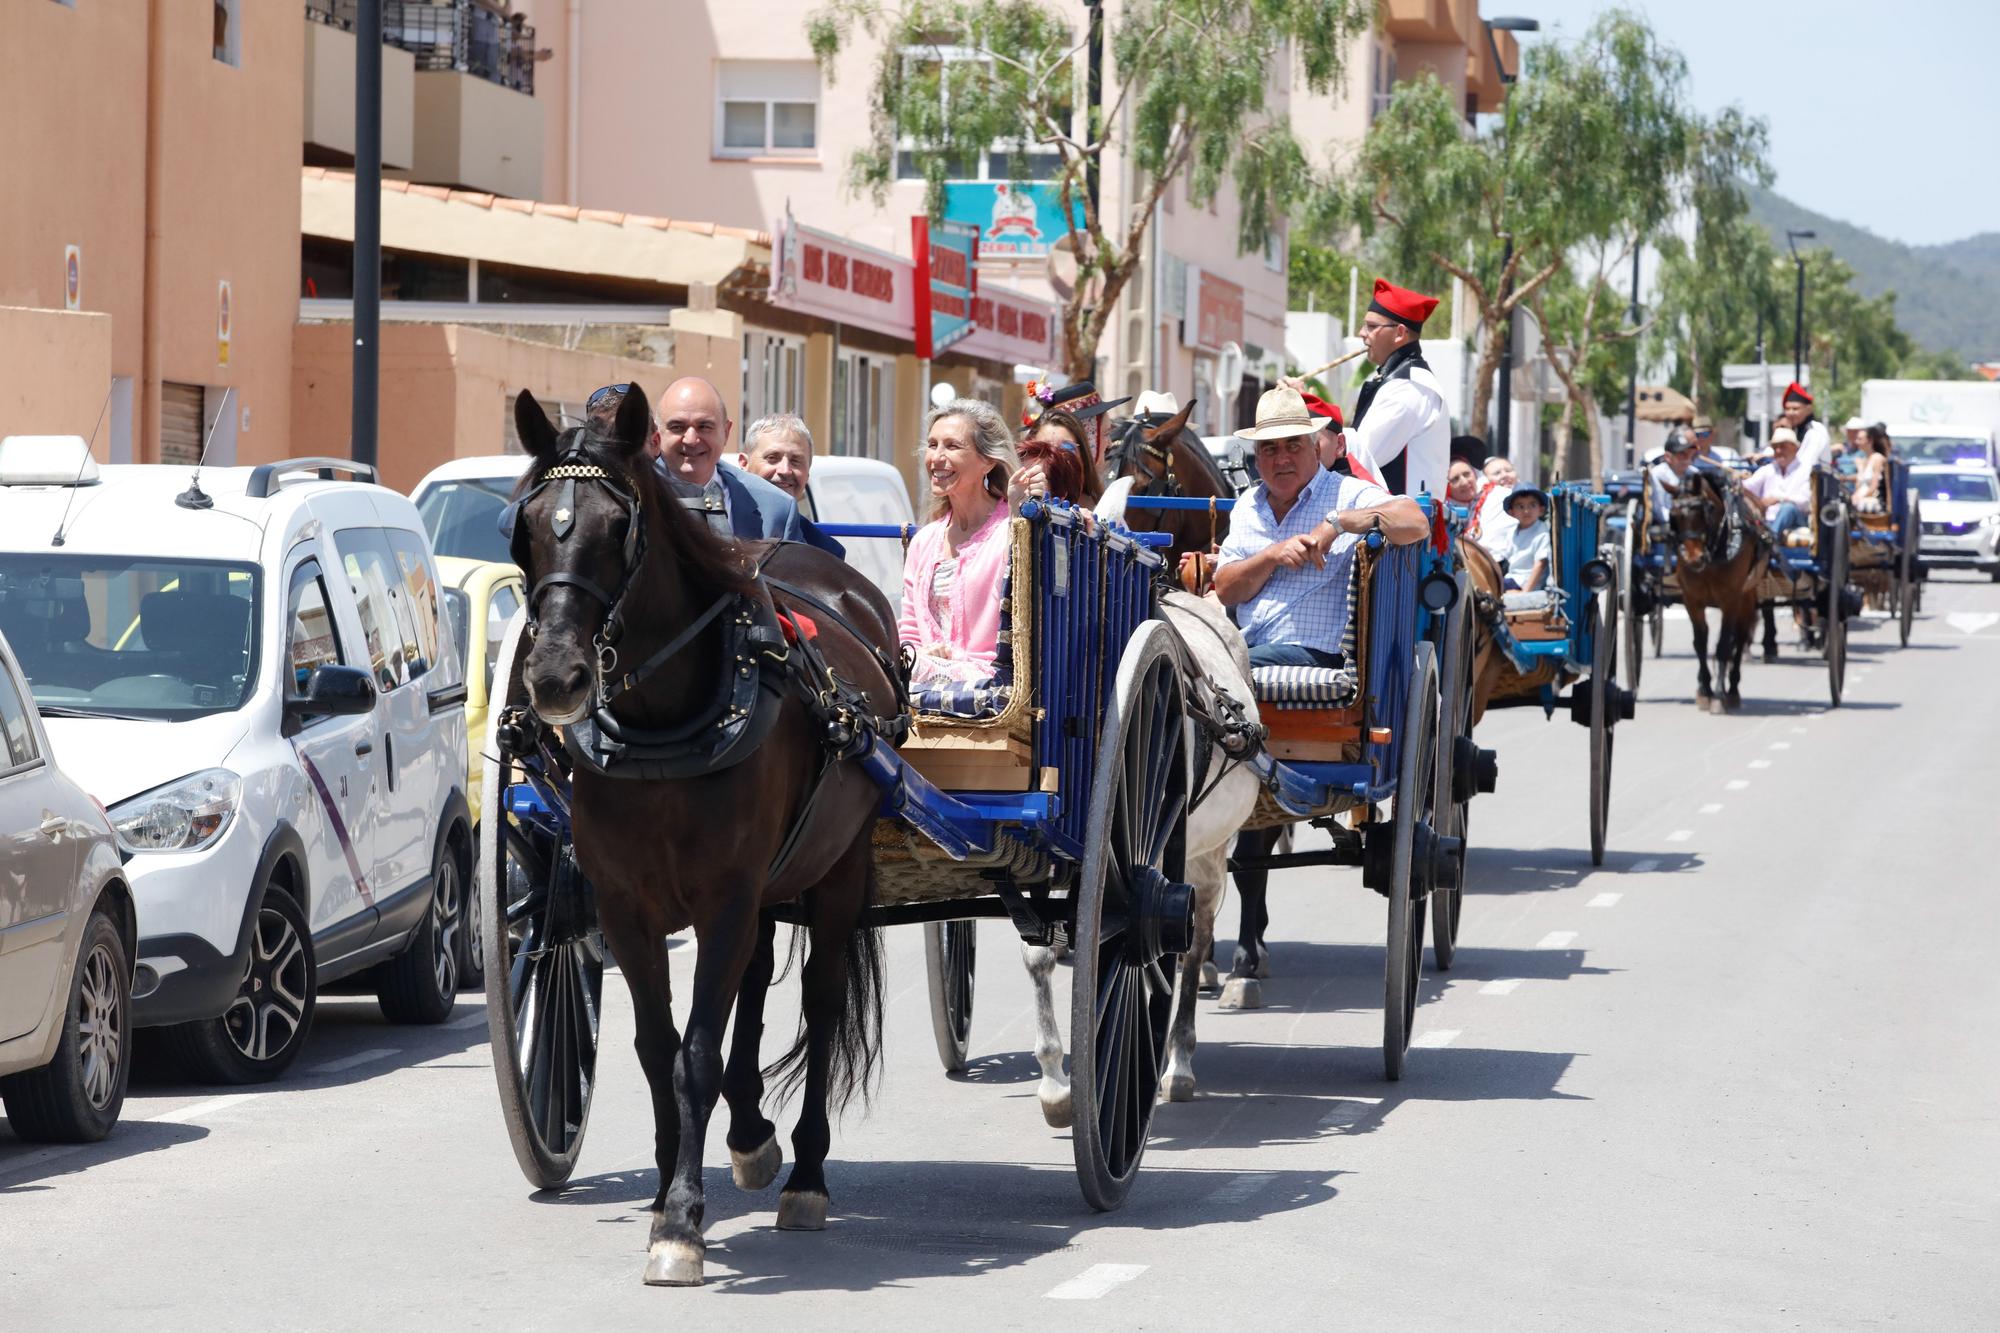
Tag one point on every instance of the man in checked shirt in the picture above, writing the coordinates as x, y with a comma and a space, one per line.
1284, 568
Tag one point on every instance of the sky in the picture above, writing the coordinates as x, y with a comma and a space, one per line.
1883, 115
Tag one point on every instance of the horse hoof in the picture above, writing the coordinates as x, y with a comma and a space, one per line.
1732, 704
1177, 1087
802, 1211
1057, 1108
1211, 977
1241, 993
756, 1169
1264, 966
674, 1263
1703, 702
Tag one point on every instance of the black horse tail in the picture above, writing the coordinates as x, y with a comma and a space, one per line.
855, 1059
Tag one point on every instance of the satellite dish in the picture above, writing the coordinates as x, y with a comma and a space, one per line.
943, 394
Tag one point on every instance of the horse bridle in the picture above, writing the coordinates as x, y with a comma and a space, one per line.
1693, 497
573, 465
1135, 449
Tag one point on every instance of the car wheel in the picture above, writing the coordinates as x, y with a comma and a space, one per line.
261, 1033
75, 1098
472, 933
420, 984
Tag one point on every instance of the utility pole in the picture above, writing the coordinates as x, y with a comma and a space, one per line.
1632, 383
367, 229
1505, 438
1799, 301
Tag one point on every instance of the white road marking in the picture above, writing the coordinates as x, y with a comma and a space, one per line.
1736, 784
1680, 835
1348, 1111
1760, 763
1240, 1189
1095, 1281
1712, 808
1556, 939
1641, 867
1971, 622
193, 1111
1605, 900
357, 1059
1436, 1039
1781, 745
1500, 986
1798, 731
475, 1019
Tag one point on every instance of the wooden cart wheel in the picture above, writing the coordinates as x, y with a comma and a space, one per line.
1835, 637
1133, 913
1628, 596
1656, 620
1906, 571
1415, 793
1455, 715
544, 955
1603, 671
949, 948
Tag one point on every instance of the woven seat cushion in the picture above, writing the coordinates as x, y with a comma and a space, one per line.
1304, 686
977, 700
1539, 600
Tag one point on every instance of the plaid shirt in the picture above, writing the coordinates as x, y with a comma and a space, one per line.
1303, 606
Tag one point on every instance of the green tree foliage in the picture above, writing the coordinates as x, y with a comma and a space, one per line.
1186, 90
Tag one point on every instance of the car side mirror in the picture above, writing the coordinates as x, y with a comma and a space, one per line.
334, 691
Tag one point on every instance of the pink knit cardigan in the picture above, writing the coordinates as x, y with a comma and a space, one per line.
972, 626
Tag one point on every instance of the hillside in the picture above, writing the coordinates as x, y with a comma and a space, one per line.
1947, 296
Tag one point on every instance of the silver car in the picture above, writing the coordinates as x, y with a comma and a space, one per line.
66, 937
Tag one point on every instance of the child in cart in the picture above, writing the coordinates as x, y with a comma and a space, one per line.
1527, 561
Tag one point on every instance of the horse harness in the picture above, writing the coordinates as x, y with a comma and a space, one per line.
767, 655
1721, 546
1226, 723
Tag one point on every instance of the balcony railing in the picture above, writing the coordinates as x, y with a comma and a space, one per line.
464, 36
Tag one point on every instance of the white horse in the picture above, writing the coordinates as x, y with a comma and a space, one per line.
1218, 663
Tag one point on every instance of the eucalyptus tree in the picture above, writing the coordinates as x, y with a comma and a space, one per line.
1189, 90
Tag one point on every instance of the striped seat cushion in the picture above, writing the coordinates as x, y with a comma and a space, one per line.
979, 699
1305, 686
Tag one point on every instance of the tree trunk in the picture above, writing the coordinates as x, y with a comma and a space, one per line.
1492, 343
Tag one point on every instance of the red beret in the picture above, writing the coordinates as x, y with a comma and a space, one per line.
1402, 305
1319, 407
1796, 392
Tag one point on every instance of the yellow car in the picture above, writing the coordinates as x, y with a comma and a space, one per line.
480, 597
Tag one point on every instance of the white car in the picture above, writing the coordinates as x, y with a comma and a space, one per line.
254, 677
461, 502
66, 938
1961, 516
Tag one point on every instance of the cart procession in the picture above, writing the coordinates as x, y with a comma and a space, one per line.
1091, 803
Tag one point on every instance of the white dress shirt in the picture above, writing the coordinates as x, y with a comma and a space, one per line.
1406, 416
1814, 446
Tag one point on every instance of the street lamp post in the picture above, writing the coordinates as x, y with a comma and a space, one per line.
1632, 383
1506, 434
1799, 300
367, 230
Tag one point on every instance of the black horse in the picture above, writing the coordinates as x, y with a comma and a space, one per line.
713, 780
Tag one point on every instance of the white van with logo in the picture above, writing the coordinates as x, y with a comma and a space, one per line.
250, 671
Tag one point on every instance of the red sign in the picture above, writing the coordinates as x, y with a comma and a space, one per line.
948, 256
1011, 326
1218, 313
817, 273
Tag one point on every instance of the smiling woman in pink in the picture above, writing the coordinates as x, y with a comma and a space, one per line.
958, 561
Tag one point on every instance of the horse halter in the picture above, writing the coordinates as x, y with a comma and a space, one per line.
1135, 449
1694, 501
571, 467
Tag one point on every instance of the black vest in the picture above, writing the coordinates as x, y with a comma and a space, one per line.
1397, 367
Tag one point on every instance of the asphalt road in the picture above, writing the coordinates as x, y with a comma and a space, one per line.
1741, 1077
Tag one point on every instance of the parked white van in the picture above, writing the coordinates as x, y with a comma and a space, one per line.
251, 673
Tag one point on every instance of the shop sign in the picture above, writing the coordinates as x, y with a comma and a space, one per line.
1011, 327
947, 255
818, 273
1214, 313
1014, 221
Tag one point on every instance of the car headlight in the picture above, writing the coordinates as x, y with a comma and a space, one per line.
1991, 520
182, 816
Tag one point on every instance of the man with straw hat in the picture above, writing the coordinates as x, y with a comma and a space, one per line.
1284, 569
1401, 430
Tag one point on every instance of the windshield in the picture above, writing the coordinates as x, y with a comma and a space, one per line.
170, 639
1941, 448
1972, 486
463, 517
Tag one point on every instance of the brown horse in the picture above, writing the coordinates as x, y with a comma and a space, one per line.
1483, 572
1724, 549
1169, 460
648, 628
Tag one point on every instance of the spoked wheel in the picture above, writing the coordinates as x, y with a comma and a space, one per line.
1656, 621
1628, 596
1415, 795
1454, 788
1134, 914
1603, 671
1906, 573
544, 955
949, 947
1834, 637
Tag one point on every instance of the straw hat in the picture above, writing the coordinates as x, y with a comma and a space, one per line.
1281, 414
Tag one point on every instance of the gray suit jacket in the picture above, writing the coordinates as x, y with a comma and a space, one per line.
757, 509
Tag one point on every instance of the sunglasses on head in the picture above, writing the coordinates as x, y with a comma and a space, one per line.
599, 395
